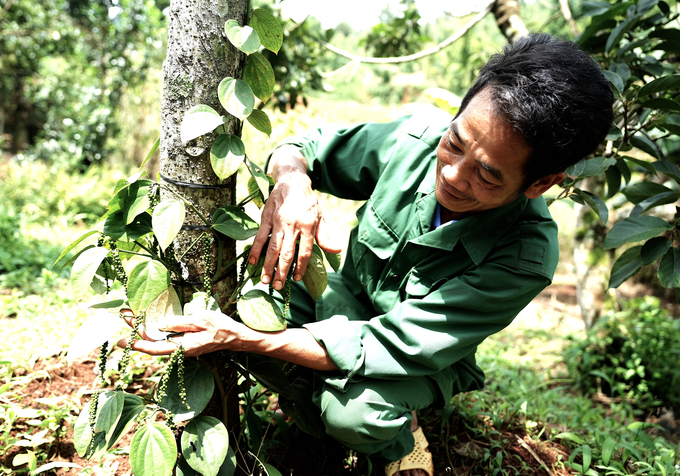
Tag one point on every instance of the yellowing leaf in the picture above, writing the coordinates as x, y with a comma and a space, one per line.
167, 304
226, 155
84, 269
167, 220
259, 74
236, 97
268, 29
199, 120
145, 283
244, 38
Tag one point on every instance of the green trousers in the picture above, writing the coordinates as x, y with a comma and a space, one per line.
370, 416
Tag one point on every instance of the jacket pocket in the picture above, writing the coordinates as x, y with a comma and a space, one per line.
373, 245
419, 284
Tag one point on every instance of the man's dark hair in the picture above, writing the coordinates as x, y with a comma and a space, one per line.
552, 94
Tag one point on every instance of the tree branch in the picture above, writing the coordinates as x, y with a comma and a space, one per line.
509, 20
405, 59
566, 13
5, 9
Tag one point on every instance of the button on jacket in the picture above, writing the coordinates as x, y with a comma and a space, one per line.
411, 300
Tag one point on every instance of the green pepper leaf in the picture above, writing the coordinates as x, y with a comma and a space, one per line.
133, 406
334, 260
268, 28
199, 384
234, 223
244, 38
260, 121
82, 432
116, 228
227, 154
153, 451
259, 311
236, 97
199, 120
145, 283
109, 409
261, 178
74, 244
205, 443
84, 269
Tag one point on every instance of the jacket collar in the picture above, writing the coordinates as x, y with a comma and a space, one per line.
478, 233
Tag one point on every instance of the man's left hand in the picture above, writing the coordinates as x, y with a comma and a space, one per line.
201, 333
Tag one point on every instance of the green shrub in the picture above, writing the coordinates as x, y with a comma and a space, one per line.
25, 261
45, 195
39, 205
633, 354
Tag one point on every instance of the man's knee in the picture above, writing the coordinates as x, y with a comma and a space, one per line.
361, 416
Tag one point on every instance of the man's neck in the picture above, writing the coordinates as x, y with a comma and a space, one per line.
447, 215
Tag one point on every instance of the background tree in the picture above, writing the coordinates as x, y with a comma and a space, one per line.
398, 33
64, 66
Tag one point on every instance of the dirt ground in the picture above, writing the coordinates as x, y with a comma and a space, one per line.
556, 307
320, 457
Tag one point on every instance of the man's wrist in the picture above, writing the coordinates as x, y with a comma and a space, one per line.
286, 159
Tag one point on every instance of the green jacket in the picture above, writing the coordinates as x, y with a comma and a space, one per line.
410, 300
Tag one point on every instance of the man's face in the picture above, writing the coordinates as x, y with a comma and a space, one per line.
480, 159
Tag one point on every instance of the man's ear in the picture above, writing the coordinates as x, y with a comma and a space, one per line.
539, 187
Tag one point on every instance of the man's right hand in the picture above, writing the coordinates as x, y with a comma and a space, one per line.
291, 213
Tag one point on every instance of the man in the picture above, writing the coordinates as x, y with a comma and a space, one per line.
453, 242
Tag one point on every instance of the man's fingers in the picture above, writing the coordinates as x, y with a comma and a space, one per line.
182, 324
286, 257
304, 255
272, 256
327, 241
149, 347
259, 241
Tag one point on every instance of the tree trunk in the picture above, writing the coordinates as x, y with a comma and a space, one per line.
199, 56
508, 19
591, 262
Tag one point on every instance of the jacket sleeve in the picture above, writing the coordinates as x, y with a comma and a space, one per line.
422, 336
347, 162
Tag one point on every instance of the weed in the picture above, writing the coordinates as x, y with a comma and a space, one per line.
630, 355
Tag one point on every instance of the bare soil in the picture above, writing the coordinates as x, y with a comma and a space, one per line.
305, 455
